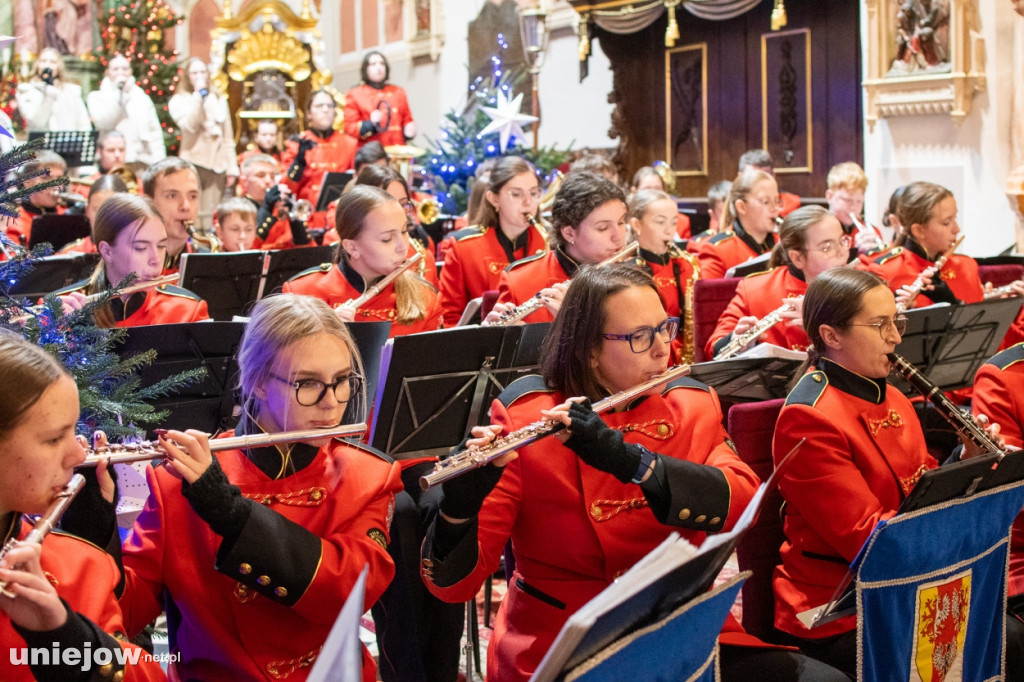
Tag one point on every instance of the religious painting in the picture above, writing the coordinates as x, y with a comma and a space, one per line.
786, 123
920, 36
686, 115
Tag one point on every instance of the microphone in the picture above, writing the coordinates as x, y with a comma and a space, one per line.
47, 76
203, 92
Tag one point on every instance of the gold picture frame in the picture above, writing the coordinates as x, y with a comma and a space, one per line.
687, 155
922, 58
801, 139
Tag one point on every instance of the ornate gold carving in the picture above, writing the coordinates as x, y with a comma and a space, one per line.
268, 49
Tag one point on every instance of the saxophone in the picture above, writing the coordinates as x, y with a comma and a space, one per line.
210, 242
47, 521
764, 324
689, 339
918, 284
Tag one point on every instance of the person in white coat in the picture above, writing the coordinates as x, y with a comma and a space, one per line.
48, 102
204, 120
120, 104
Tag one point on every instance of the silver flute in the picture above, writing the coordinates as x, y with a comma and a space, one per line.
473, 457
760, 327
537, 301
128, 453
47, 521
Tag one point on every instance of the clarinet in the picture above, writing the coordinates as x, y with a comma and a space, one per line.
536, 301
759, 328
472, 458
959, 419
918, 284
47, 521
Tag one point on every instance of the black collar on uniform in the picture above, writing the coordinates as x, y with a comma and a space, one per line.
915, 248
656, 258
10, 526
32, 209
354, 278
769, 241
510, 246
125, 309
268, 459
565, 260
871, 390
322, 134
793, 270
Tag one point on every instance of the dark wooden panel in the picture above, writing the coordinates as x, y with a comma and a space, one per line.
734, 91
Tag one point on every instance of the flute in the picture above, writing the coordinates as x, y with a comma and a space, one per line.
759, 328
137, 287
960, 420
47, 521
472, 457
383, 282
536, 301
143, 451
918, 284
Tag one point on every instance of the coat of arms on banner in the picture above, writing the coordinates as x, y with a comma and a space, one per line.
942, 609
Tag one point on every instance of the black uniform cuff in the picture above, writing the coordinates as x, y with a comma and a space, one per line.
77, 632
698, 494
300, 236
272, 555
450, 551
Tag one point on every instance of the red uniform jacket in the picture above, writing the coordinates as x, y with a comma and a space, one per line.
790, 203
575, 529
729, 248
19, 230
85, 577
164, 304
335, 153
864, 453
758, 295
474, 259
521, 280
361, 100
999, 394
333, 286
958, 280
261, 608
673, 274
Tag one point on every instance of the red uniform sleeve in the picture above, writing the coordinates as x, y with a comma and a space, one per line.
995, 397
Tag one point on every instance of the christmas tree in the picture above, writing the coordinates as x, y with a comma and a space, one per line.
109, 393
138, 30
465, 140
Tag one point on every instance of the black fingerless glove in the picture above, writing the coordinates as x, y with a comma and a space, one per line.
272, 196
599, 446
305, 144
217, 502
465, 494
89, 516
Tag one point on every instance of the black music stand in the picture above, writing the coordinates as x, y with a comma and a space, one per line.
331, 187
77, 147
748, 379
426, 408
209, 404
949, 343
52, 273
228, 282
370, 338
282, 265
58, 230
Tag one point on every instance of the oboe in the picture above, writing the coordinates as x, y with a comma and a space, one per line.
372, 291
919, 283
759, 328
47, 521
537, 301
960, 420
472, 458
144, 451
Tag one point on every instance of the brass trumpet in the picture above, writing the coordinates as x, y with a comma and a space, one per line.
144, 451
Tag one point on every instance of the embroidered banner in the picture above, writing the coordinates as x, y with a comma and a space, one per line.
931, 589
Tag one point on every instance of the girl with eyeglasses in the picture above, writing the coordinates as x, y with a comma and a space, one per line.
374, 243
864, 452
253, 552
581, 510
475, 257
748, 229
811, 241
588, 226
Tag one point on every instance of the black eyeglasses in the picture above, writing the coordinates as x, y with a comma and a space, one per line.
642, 339
885, 327
309, 392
